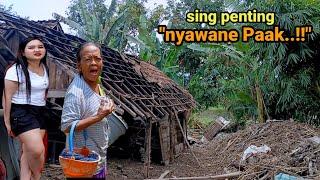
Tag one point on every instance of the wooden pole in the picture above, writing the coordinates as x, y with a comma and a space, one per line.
171, 130
147, 144
185, 138
217, 177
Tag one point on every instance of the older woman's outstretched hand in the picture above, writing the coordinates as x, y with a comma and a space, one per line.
106, 107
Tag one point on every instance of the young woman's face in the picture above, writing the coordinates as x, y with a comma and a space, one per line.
34, 50
90, 64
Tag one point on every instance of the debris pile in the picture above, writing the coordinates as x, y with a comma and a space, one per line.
281, 149
293, 150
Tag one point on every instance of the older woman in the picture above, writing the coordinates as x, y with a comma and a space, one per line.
83, 102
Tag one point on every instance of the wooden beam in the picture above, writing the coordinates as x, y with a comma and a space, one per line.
217, 177
171, 132
118, 100
147, 144
164, 138
164, 174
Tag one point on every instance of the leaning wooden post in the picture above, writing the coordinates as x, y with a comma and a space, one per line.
185, 138
147, 157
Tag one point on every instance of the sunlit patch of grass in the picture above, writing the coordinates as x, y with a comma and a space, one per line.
201, 119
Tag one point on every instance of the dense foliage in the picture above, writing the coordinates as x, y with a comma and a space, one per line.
268, 80
254, 81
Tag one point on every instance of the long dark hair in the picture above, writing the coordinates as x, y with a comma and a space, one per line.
21, 62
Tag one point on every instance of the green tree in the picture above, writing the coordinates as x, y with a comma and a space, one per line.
96, 6
94, 22
276, 80
292, 69
6, 9
151, 49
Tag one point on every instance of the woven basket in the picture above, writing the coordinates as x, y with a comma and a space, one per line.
77, 168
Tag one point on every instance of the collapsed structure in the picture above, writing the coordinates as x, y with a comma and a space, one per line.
154, 107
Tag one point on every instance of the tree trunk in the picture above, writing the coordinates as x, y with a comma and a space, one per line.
260, 104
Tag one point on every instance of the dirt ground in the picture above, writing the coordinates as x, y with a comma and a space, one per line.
291, 153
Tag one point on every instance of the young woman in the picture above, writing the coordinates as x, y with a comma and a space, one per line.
25, 88
83, 102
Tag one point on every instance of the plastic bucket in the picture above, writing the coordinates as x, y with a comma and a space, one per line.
117, 127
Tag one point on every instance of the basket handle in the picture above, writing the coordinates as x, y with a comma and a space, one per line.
73, 127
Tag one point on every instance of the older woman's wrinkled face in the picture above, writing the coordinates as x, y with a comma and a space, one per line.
90, 65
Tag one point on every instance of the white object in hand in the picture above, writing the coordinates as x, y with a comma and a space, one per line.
104, 100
